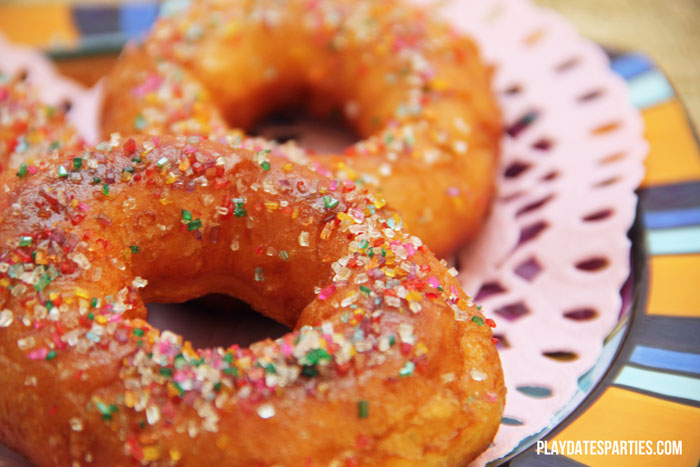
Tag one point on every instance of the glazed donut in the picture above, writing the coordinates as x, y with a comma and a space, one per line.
414, 90
388, 363
29, 129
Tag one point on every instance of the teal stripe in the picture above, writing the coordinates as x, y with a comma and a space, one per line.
666, 384
676, 241
649, 89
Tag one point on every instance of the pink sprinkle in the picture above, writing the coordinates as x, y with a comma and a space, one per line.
83, 207
114, 318
453, 191
454, 290
410, 249
180, 376
491, 396
433, 281
189, 149
394, 243
357, 214
327, 292
152, 83
286, 349
333, 185
32, 169
38, 354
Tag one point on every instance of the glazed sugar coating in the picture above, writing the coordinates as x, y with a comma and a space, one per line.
29, 129
416, 92
388, 363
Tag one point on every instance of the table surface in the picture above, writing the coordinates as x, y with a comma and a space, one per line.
667, 31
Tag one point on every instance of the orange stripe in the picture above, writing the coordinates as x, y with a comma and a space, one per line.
39, 25
674, 155
624, 415
673, 285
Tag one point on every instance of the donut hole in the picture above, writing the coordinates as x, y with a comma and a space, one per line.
324, 135
214, 320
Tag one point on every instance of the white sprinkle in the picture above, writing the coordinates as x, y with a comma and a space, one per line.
478, 375
139, 282
266, 411
460, 147
76, 424
6, 318
26, 343
453, 272
304, 238
235, 245
152, 414
447, 377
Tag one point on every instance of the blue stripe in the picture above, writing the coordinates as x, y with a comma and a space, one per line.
677, 241
649, 89
135, 19
665, 384
674, 218
631, 64
666, 359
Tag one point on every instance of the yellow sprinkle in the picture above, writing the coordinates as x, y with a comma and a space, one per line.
421, 349
287, 167
379, 203
413, 295
175, 455
82, 293
184, 165
150, 453
4, 282
172, 390
74, 203
170, 179
129, 398
462, 304
101, 319
295, 212
272, 205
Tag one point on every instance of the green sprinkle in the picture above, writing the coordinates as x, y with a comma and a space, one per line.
239, 211
228, 358
161, 162
139, 342
259, 274
62, 172
365, 289
407, 369
91, 316
370, 253
186, 215
138, 332
180, 362
180, 389
54, 145
77, 163
392, 340
283, 255
49, 305
329, 202
270, 368
94, 302
167, 372
134, 249
194, 225
315, 356
129, 169
383, 252
22, 170
113, 408
136, 159
364, 244
265, 166
231, 371
309, 371
139, 122
25, 241
104, 410
96, 180
363, 409
478, 320
142, 424
42, 283
217, 386
105, 189
51, 355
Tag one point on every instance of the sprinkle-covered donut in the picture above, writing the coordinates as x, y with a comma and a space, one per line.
388, 362
31, 131
415, 91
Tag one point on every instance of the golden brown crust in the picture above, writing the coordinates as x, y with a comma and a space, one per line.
389, 362
416, 92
